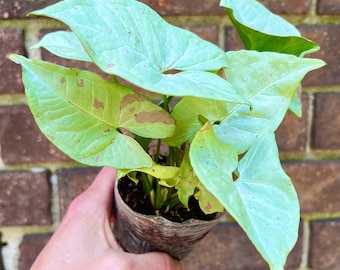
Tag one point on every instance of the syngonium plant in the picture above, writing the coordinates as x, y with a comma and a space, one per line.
220, 132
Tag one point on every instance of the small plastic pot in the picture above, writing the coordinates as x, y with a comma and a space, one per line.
139, 233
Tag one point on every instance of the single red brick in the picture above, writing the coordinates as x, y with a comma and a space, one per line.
11, 41
72, 182
228, 247
327, 36
180, 7
21, 140
20, 8
317, 184
326, 128
288, 6
328, 7
30, 248
208, 32
232, 40
292, 133
24, 198
325, 244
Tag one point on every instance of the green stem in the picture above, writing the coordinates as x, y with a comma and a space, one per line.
147, 184
171, 156
158, 196
166, 103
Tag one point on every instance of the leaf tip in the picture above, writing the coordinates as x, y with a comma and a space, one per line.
12, 57
16, 58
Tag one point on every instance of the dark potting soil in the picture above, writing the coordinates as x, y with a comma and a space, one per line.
133, 196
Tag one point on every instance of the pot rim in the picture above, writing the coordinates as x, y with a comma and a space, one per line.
158, 219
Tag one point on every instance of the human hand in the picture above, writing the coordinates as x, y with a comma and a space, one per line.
84, 239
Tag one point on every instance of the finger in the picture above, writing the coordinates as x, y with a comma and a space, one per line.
154, 260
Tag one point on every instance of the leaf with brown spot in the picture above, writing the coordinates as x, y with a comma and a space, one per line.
97, 104
142, 117
80, 83
85, 126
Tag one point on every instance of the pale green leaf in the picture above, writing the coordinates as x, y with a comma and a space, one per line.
187, 124
166, 174
296, 106
186, 182
110, 102
269, 81
63, 44
83, 122
207, 201
144, 118
129, 39
213, 162
262, 200
261, 30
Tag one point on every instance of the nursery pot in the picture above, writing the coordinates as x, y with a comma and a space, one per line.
140, 233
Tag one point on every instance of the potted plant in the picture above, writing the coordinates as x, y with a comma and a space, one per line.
199, 137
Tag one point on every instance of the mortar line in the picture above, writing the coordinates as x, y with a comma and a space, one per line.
310, 117
31, 37
55, 206
221, 36
305, 245
313, 8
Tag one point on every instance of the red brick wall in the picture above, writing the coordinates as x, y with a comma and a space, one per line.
37, 182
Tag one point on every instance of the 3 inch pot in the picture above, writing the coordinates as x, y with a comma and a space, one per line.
139, 233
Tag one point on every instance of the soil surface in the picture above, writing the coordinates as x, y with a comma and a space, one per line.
133, 196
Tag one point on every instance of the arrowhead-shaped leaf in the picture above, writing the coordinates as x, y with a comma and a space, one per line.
269, 81
207, 201
129, 39
261, 30
80, 113
262, 200
187, 124
186, 181
63, 44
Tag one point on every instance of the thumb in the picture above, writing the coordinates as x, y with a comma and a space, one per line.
101, 190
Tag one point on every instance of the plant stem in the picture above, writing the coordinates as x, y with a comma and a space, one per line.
147, 185
166, 100
171, 156
158, 148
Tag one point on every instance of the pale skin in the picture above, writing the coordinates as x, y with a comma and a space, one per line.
84, 239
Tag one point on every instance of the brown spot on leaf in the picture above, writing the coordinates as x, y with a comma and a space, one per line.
97, 104
80, 83
171, 71
62, 80
154, 117
129, 99
208, 207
